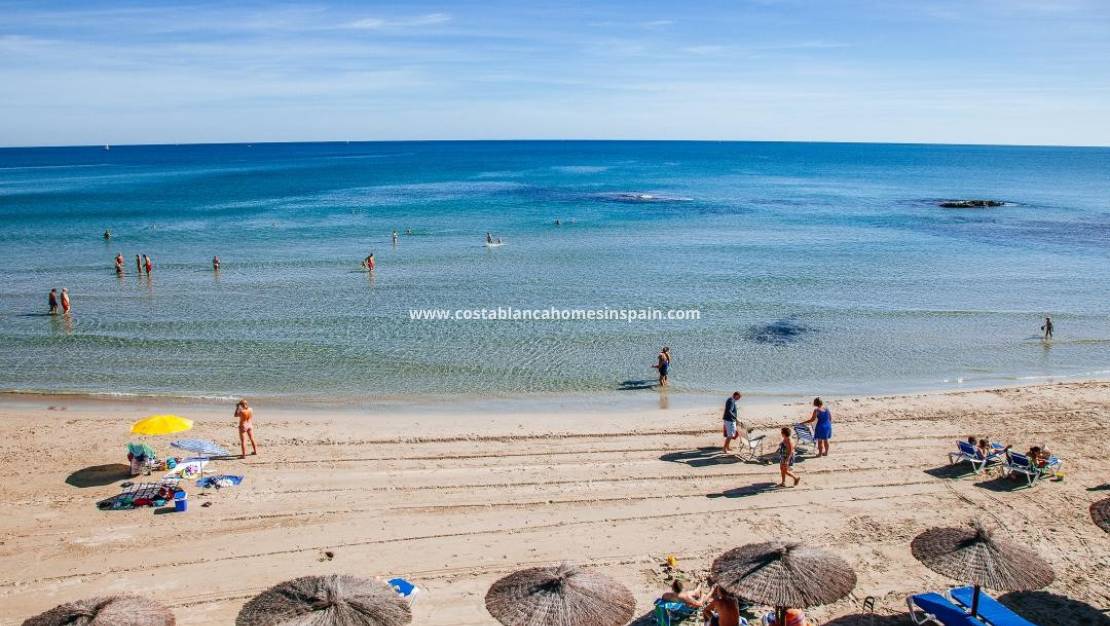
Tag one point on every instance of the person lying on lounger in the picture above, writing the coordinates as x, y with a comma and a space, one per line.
694, 599
1038, 456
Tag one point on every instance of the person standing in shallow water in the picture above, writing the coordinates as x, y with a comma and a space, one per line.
65, 301
138, 264
663, 364
822, 430
215, 264
119, 264
1047, 327
147, 263
52, 300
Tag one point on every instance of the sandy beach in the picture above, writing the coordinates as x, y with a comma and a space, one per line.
454, 498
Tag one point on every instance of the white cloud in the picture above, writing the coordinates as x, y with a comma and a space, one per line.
378, 23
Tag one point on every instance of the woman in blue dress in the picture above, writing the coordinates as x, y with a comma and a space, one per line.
822, 430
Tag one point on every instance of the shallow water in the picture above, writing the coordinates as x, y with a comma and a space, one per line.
817, 268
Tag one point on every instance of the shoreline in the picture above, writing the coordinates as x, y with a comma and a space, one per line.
621, 400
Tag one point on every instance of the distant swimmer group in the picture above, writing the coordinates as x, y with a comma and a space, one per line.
54, 300
142, 262
490, 241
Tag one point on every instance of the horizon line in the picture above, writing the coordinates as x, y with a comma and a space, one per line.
552, 140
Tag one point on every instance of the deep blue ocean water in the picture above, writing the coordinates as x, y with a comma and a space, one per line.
817, 268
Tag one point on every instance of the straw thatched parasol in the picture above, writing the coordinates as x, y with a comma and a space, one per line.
561, 595
972, 555
121, 610
1100, 512
335, 600
784, 575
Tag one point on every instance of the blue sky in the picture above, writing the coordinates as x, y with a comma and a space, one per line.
954, 71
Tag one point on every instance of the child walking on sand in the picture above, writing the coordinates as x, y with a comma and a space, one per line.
786, 458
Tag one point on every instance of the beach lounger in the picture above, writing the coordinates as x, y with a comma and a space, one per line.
751, 446
971, 454
804, 437
1020, 464
933, 608
669, 613
990, 610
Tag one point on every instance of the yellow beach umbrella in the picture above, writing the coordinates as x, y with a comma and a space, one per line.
161, 425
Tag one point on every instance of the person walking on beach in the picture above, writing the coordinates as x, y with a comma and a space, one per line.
786, 458
52, 299
119, 264
729, 420
65, 301
1047, 328
138, 264
663, 364
147, 264
822, 430
246, 428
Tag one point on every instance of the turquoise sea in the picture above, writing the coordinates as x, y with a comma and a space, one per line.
816, 268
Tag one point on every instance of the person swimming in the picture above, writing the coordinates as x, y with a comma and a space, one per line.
107, 235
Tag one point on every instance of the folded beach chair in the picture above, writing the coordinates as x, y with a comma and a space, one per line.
1020, 464
669, 613
971, 454
404, 588
805, 437
751, 446
933, 608
990, 610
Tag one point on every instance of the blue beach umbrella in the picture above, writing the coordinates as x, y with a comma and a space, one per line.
200, 447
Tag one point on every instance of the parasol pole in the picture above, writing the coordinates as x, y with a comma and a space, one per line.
975, 602
780, 616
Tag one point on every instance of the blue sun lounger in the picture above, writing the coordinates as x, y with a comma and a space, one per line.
1021, 464
990, 610
971, 454
933, 608
805, 437
671, 613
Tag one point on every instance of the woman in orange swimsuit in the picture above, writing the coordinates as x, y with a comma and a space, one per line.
246, 427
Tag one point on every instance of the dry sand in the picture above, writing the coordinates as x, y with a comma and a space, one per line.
454, 500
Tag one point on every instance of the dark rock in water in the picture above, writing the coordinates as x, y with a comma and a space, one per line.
780, 332
970, 204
